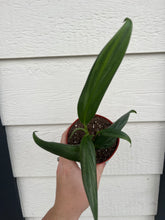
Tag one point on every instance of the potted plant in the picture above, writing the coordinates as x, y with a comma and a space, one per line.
92, 138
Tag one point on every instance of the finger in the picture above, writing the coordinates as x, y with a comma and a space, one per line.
63, 160
99, 168
64, 137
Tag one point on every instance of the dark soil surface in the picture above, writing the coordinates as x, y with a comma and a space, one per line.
96, 124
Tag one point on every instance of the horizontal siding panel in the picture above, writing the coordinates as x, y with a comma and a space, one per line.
144, 157
118, 195
110, 218
55, 28
46, 91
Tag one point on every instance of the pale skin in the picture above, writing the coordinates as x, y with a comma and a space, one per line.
71, 198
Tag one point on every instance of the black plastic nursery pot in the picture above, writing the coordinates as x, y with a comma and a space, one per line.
96, 124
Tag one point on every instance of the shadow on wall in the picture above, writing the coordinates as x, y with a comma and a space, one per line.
161, 202
9, 200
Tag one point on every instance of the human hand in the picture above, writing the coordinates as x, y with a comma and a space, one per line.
71, 199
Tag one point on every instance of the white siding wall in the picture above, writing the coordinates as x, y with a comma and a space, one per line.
46, 51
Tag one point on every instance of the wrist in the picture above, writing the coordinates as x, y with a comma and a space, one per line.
54, 214
65, 215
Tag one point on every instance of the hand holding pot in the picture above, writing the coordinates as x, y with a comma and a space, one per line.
71, 198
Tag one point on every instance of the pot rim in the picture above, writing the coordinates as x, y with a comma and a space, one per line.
117, 142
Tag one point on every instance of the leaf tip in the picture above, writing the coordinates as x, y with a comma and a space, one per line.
128, 19
133, 111
34, 132
129, 24
34, 135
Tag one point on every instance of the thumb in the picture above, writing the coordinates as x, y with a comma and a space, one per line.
99, 168
63, 161
64, 137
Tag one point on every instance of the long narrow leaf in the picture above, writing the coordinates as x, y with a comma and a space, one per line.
102, 73
71, 152
112, 134
122, 121
88, 169
102, 141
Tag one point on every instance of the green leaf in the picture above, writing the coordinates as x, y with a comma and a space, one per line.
112, 133
88, 169
122, 121
102, 73
71, 152
102, 141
